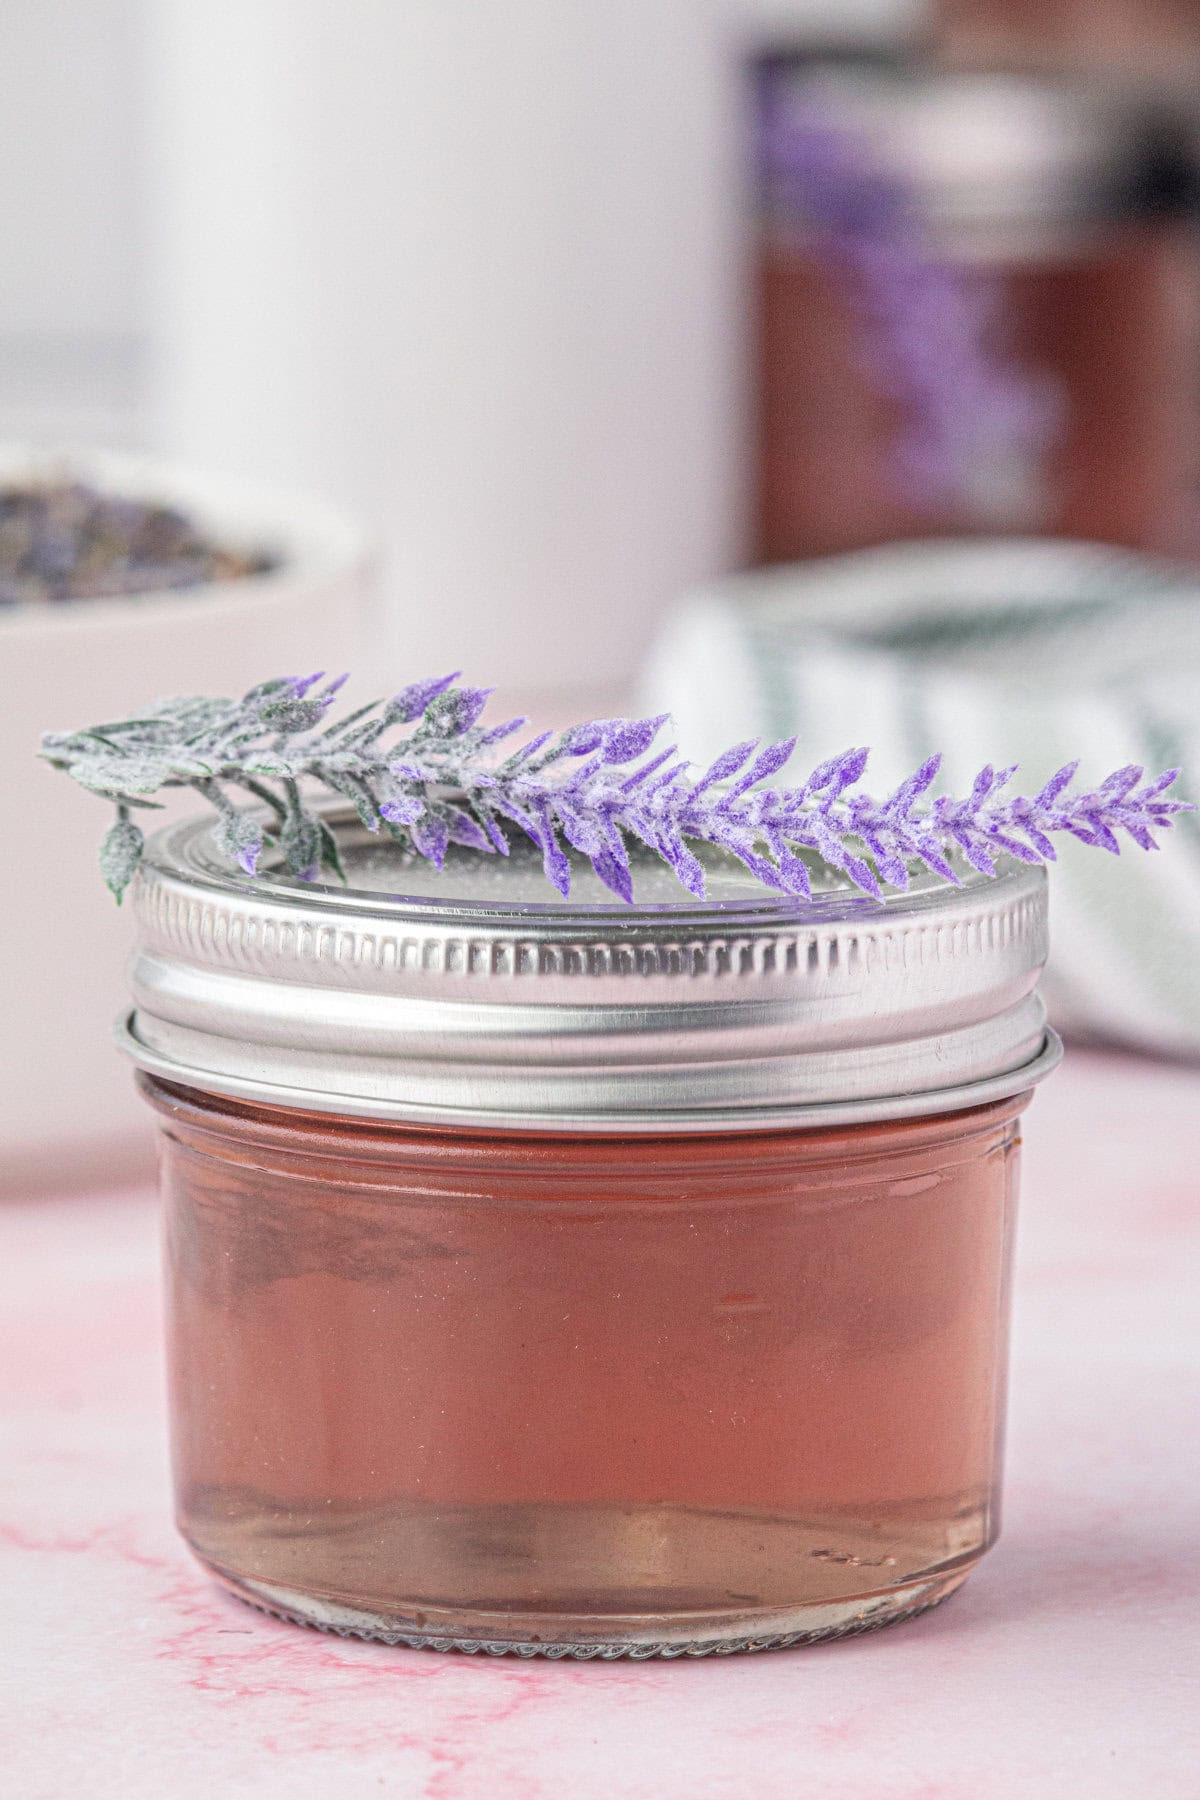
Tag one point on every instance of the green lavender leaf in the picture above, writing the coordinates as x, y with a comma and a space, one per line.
120, 854
354, 789
300, 841
192, 768
290, 716
106, 774
330, 853
268, 762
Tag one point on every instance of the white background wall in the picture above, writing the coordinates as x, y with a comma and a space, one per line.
72, 217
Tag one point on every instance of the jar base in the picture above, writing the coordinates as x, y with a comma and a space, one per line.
638, 1638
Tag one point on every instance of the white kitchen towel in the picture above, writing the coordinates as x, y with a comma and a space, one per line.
990, 651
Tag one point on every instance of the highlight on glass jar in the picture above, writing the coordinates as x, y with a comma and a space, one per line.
598, 1267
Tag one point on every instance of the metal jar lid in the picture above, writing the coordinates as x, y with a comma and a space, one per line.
477, 997
996, 166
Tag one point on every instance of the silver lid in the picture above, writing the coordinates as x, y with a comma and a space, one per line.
998, 166
478, 997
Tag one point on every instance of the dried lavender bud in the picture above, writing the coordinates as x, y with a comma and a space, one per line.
63, 540
241, 838
441, 784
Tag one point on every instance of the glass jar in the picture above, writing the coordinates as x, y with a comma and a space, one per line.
978, 312
563, 1278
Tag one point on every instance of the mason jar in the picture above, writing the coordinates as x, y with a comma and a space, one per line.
568, 1278
976, 306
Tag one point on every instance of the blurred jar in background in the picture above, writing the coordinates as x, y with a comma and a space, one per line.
977, 312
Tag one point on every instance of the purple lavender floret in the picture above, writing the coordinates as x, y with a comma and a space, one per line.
597, 788
925, 324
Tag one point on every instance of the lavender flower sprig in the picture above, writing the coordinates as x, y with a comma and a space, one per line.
597, 786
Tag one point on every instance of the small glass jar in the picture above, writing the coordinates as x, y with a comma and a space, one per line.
978, 312
571, 1279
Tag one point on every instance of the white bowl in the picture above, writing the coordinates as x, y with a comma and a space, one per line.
67, 1105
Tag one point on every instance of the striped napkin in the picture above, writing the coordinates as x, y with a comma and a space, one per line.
990, 651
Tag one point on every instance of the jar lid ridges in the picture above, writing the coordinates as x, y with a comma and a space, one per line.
463, 999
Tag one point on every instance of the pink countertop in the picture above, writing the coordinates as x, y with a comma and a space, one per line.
1069, 1665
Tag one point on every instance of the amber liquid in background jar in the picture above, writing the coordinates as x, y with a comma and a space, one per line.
1113, 332
1156, 40
568, 1391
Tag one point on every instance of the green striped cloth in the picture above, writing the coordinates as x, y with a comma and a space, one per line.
990, 651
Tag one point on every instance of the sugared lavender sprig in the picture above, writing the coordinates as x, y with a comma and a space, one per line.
595, 786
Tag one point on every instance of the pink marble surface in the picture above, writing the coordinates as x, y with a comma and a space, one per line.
1070, 1664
